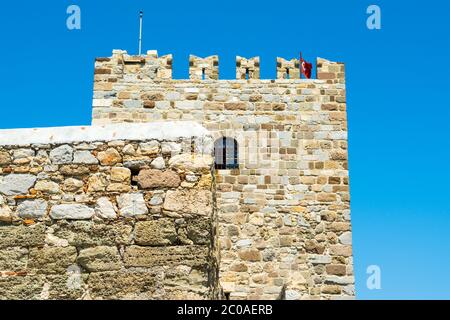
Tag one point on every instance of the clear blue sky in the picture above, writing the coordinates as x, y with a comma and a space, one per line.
398, 99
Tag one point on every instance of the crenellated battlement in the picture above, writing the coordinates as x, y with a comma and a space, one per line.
151, 67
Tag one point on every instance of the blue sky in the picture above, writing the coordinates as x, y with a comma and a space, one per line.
398, 81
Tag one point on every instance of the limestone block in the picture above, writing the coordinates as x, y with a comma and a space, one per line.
32, 209
100, 258
191, 201
22, 236
16, 184
191, 162
89, 233
62, 155
119, 174
158, 163
153, 179
105, 209
193, 256
160, 232
52, 260
47, 187
84, 157
109, 157
132, 204
71, 212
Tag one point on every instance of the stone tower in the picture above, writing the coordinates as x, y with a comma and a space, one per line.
281, 184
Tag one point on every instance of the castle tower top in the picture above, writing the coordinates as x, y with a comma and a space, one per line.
152, 67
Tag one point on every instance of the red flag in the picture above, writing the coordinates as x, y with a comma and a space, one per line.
306, 67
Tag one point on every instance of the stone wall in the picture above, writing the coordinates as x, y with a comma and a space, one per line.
284, 215
114, 212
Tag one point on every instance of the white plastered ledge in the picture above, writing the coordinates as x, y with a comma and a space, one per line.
169, 131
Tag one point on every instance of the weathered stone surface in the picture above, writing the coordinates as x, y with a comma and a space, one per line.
21, 288
149, 148
152, 179
84, 157
89, 233
13, 259
193, 256
52, 260
191, 162
71, 212
160, 232
22, 236
132, 204
105, 209
32, 209
47, 187
72, 185
5, 214
16, 184
127, 285
100, 258
109, 157
5, 158
120, 174
250, 254
97, 182
191, 201
23, 153
62, 155
74, 170
199, 229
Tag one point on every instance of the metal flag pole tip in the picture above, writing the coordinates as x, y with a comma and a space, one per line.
141, 16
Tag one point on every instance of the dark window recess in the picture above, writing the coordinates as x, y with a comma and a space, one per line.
226, 153
203, 74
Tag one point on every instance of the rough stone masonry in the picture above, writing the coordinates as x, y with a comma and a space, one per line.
284, 213
114, 212
133, 207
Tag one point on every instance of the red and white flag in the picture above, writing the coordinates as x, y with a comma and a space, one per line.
306, 67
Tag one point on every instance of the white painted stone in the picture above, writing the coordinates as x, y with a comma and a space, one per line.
16, 184
71, 212
132, 204
61, 155
105, 209
168, 131
84, 157
33, 209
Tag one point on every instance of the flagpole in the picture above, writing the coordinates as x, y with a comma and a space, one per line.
141, 15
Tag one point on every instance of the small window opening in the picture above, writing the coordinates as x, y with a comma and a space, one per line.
134, 174
247, 74
203, 74
226, 153
287, 74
